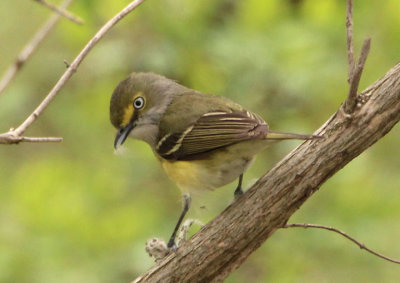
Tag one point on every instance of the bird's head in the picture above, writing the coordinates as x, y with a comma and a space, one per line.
138, 103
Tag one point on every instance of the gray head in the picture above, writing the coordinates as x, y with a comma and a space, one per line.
138, 103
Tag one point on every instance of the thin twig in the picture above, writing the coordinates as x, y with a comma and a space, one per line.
349, 36
355, 71
361, 245
72, 69
42, 139
30, 48
9, 138
61, 11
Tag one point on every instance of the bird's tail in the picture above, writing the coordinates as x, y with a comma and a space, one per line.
273, 135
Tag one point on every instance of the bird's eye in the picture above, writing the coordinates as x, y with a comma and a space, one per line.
138, 103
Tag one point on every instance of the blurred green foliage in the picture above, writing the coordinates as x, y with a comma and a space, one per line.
77, 212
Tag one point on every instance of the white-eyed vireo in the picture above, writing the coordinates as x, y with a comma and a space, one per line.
202, 141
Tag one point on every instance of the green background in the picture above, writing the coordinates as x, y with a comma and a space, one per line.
78, 212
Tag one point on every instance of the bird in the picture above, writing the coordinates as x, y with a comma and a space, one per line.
202, 141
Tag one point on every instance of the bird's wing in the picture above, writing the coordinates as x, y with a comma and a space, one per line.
211, 131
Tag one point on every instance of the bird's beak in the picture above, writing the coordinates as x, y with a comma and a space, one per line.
122, 134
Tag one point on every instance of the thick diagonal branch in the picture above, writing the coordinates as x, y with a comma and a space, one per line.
223, 244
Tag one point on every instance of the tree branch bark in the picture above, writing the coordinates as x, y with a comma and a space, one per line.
223, 244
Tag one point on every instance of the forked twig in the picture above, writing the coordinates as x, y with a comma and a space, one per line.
13, 136
355, 70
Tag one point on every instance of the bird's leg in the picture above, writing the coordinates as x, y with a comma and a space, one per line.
238, 192
186, 205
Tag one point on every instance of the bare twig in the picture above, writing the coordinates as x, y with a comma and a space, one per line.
355, 71
361, 245
70, 71
61, 11
30, 48
9, 138
349, 36
42, 139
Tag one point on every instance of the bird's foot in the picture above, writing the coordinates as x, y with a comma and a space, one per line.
185, 228
158, 249
238, 193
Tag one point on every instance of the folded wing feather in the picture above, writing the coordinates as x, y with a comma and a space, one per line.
212, 131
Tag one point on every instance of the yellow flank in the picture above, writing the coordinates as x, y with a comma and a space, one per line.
218, 169
183, 173
128, 111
